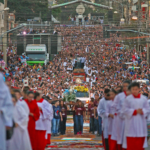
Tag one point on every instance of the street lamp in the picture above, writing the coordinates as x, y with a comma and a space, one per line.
134, 17
6, 9
122, 19
115, 12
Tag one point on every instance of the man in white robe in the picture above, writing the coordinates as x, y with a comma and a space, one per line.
6, 111
101, 110
20, 139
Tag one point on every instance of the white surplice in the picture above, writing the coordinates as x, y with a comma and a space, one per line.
118, 123
41, 124
20, 139
6, 111
24, 105
101, 110
135, 125
49, 121
110, 110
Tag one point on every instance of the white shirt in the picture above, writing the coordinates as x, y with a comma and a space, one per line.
87, 79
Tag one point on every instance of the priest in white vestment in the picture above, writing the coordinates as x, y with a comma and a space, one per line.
6, 111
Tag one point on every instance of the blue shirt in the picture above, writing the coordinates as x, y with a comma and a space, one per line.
57, 111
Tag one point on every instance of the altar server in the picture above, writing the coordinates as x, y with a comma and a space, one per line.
33, 117
20, 139
136, 109
102, 113
49, 126
42, 124
111, 113
118, 124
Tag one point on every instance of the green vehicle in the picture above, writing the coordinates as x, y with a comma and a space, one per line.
37, 54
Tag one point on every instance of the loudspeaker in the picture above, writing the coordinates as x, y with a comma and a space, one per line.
29, 39
20, 45
54, 44
110, 15
44, 40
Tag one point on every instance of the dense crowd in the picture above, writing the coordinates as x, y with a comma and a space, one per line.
104, 61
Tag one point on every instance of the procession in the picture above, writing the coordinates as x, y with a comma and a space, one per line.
118, 109
74, 74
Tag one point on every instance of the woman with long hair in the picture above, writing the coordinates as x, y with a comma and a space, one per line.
79, 117
63, 108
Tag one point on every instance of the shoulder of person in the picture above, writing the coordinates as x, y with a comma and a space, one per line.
144, 97
120, 94
129, 97
20, 110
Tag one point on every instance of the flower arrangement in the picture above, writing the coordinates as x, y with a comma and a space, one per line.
78, 71
81, 89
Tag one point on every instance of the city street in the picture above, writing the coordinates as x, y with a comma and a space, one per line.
74, 75
70, 141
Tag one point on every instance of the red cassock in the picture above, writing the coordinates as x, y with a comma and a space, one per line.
135, 143
33, 107
48, 141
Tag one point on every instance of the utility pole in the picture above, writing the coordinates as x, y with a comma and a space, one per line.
5, 33
139, 22
147, 25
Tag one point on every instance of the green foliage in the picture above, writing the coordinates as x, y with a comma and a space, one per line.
69, 97
27, 9
56, 12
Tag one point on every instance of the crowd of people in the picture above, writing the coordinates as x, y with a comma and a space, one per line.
104, 62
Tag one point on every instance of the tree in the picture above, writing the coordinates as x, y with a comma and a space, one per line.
27, 9
56, 12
